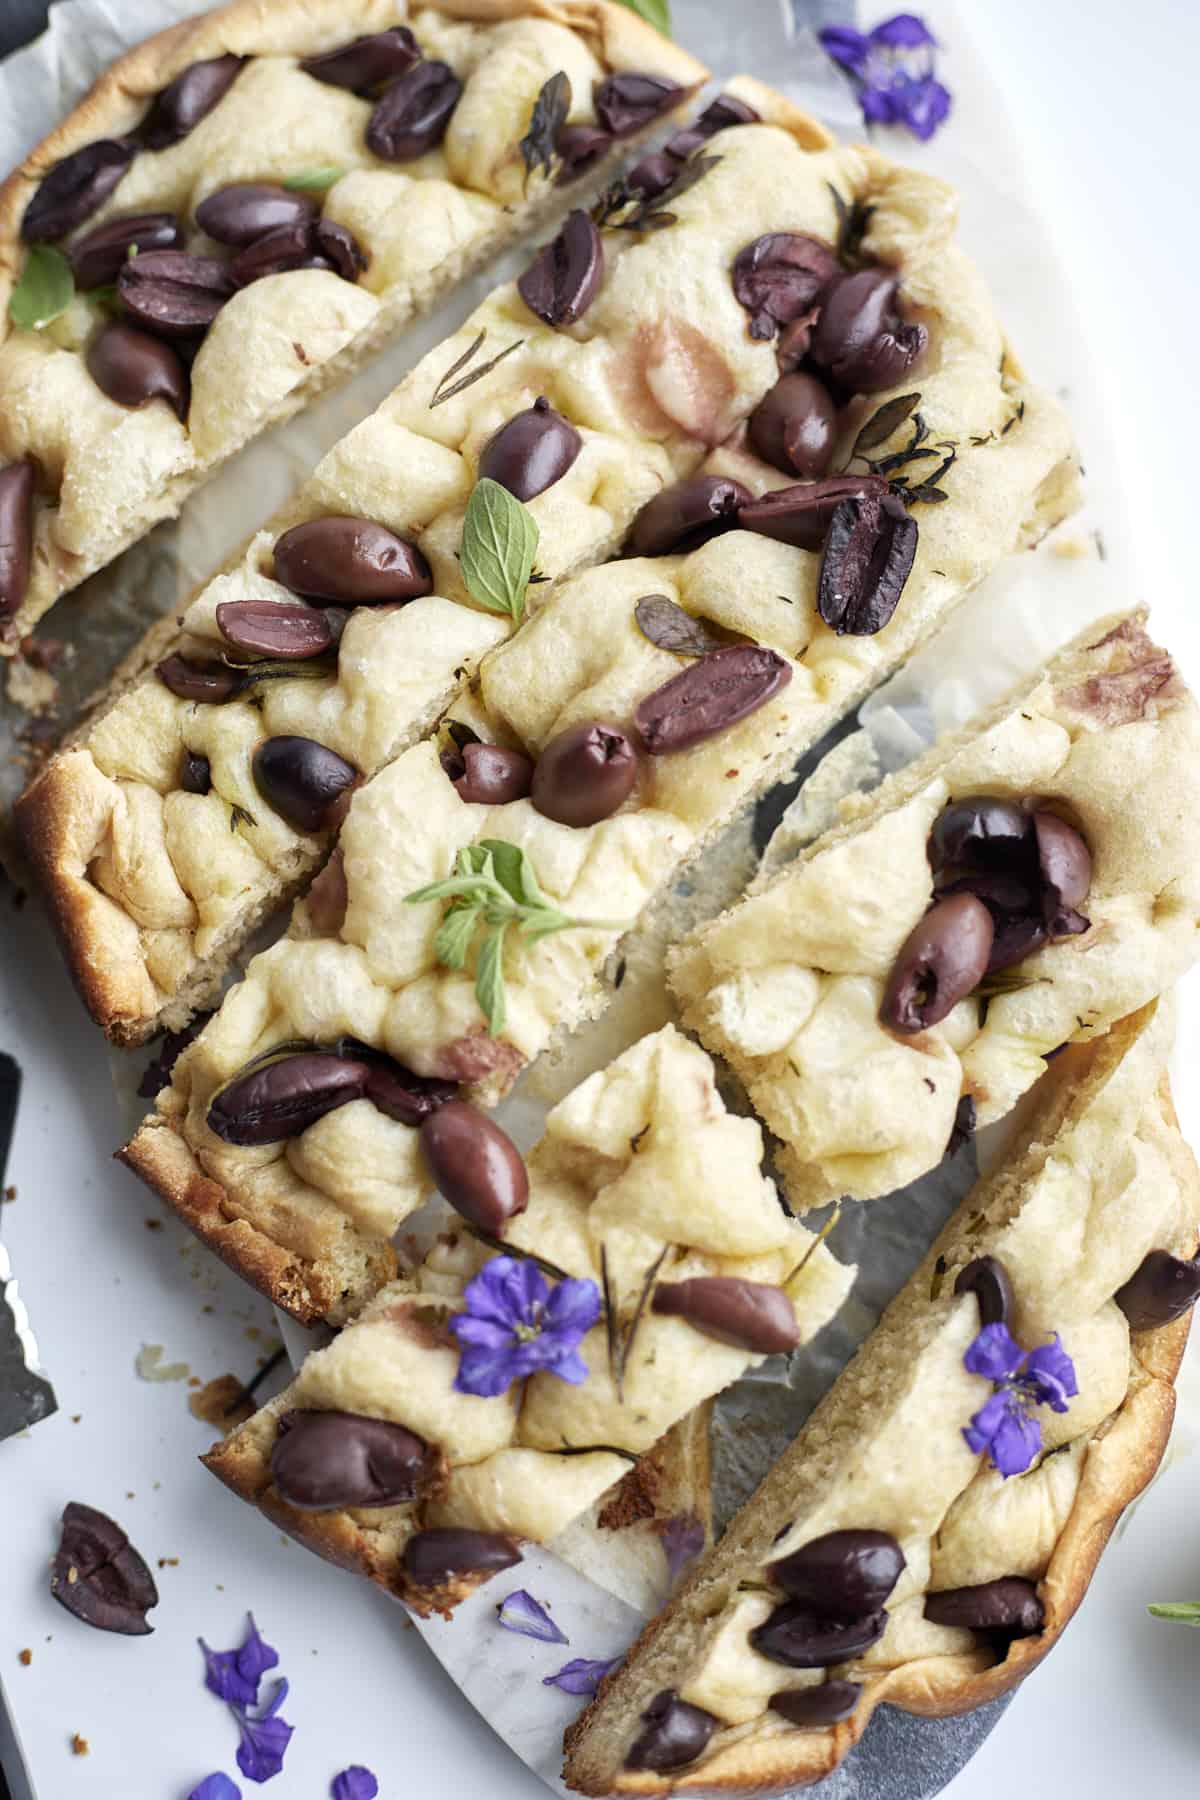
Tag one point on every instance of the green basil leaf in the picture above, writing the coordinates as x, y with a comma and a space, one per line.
514, 871
315, 181
453, 940
655, 12
456, 887
489, 980
1182, 1612
499, 543
45, 290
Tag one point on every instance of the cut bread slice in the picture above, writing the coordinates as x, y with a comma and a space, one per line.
1098, 1179
526, 1458
154, 886
794, 986
424, 210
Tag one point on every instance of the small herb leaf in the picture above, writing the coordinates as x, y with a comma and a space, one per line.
443, 392
454, 936
655, 12
45, 290
514, 871
1180, 1612
670, 628
314, 181
499, 543
881, 424
489, 980
550, 109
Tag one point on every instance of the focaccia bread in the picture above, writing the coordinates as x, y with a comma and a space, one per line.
406, 167
644, 1195
155, 873
964, 1579
812, 988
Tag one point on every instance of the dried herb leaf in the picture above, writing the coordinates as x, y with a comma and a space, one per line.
539, 146
993, 986
880, 426
667, 625
853, 224
45, 290
509, 1249
461, 735
239, 815
638, 1314
442, 393
630, 1456
316, 180
622, 208
499, 543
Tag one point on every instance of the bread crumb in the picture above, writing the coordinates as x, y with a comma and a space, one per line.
72, 1576
75, 1418
153, 1224
79, 1745
168, 1562
1071, 549
25, 1658
222, 1402
10, 1193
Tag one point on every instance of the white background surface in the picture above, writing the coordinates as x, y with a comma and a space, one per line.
1104, 97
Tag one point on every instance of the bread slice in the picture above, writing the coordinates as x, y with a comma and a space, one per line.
108, 473
642, 1179
1099, 1176
787, 985
309, 1221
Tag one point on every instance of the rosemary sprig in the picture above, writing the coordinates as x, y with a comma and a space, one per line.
442, 392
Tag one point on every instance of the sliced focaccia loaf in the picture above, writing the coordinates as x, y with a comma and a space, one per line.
247, 205
1027, 882
934, 1526
153, 839
638, 1263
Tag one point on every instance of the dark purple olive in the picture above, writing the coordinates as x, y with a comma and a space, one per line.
99, 1576
1009, 1605
625, 103
475, 1165
174, 294
718, 115
342, 249
328, 898
98, 257
981, 832
564, 277
211, 683
841, 1575
674, 1733
492, 775
778, 277
274, 628
351, 562
414, 112
195, 774
533, 451
801, 515
433, 1558
306, 783
794, 427
76, 188
324, 1461
132, 367
1162, 1287
578, 147
867, 558
966, 1118
18, 483
942, 960
751, 1315
1066, 865
247, 210
653, 175
368, 62
792, 344
188, 99
709, 696
860, 338
401, 1095
1003, 895
279, 253
280, 1099
803, 1639
1015, 937
810, 1708
687, 515
585, 774
987, 1278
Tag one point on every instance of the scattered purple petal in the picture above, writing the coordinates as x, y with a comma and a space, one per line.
682, 1542
264, 1739
1004, 1427
234, 1675
995, 1354
893, 70
514, 1324
904, 32
520, 1612
216, 1787
580, 1676
355, 1783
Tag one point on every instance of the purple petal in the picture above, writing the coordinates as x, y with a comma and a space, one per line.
580, 1676
682, 1542
521, 1613
355, 1783
995, 1353
845, 45
921, 105
486, 1373
256, 1656
570, 1368
878, 106
903, 32
986, 1423
1050, 1373
224, 1678
264, 1739
506, 1291
481, 1334
216, 1787
1005, 1431
525, 1290
573, 1308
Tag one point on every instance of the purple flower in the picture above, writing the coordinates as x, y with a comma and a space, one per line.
1003, 1428
234, 1675
580, 1676
264, 1738
216, 1787
522, 1613
354, 1784
515, 1323
892, 68
682, 1542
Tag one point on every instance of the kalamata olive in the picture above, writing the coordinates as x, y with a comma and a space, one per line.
306, 783
274, 628
403, 1096
533, 451
476, 1166
131, 367
810, 1708
350, 561
966, 1118
942, 960
1016, 936
1162, 1287
195, 773
76, 188
17, 486
801, 515
564, 277
718, 115
341, 248
280, 1099
279, 253
686, 515
328, 897
867, 557
1009, 1606
842, 1574
987, 1278
778, 277
860, 338
625, 103
585, 774
432, 1558
1066, 865
653, 175
803, 1639
99, 1576
172, 293
981, 831
247, 210
99, 255
368, 62
324, 1461
414, 112
674, 1733
794, 426
752, 1315
492, 775
211, 683
791, 346
578, 147
709, 696
1003, 895
188, 99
